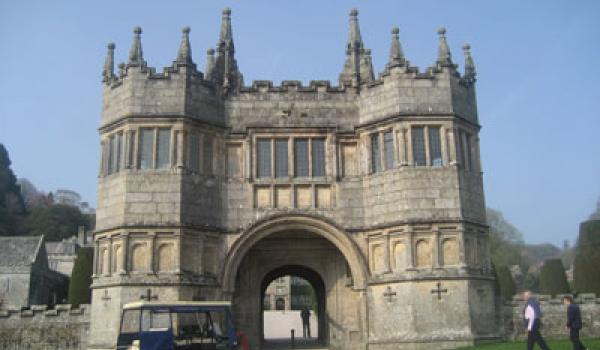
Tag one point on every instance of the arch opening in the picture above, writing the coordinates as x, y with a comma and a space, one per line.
276, 325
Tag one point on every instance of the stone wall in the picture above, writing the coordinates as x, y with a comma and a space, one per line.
554, 317
62, 328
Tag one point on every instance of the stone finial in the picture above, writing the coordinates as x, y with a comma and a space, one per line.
358, 67
136, 55
184, 55
396, 58
121, 70
444, 55
210, 62
225, 70
470, 72
108, 72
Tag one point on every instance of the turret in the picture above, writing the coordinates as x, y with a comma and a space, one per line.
396, 57
226, 73
108, 73
358, 67
184, 55
136, 55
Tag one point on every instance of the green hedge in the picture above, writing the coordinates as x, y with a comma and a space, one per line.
506, 283
81, 278
553, 279
587, 258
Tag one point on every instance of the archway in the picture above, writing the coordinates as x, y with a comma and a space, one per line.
318, 285
299, 245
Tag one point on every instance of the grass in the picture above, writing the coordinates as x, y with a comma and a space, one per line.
521, 345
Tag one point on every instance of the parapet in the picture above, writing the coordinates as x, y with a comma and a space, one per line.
41, 312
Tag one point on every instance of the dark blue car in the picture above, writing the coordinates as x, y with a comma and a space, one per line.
183, 325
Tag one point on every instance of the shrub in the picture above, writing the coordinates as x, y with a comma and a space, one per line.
553, 279
81, 278
506, 283
587, 258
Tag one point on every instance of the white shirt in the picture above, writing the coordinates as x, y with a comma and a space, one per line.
529, 316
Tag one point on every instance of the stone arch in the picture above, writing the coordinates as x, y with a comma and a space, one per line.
104, 261
139, 257
166, 260
316, 225
450, 251
423, 253
117, 258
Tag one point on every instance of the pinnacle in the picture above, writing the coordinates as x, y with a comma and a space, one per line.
354, 12
111, 46
210, 51
441, 31
137, 30
226, 11
186, 30
395, 30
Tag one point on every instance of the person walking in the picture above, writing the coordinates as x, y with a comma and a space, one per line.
305, 314
574, 322
532, 315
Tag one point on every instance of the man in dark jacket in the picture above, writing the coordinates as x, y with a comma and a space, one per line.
532, 315
574, 322
305, 315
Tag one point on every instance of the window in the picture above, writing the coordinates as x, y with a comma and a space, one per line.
318, 157
264, 158
111, 155
146, 144
388, 146
120, 151
435, 146
163, 149
418, 145
469, 160
375, 155
301, 157
281, 157
194, 145
207, 155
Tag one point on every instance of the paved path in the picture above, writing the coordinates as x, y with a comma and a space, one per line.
279, 323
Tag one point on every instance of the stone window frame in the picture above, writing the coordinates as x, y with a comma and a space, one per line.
340, 155
427, 144
467, 145
313, 187
114, 157
291, 156
172, 151
242, 159
381, 160
186, 159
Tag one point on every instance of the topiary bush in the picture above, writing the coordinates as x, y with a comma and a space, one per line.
553, 279
506, 282
587, 258
81, 278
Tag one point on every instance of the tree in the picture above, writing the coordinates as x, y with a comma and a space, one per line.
81, 278
506, 283
587, 258
55, 221
12, 208
553, 279
596, 214
506, 241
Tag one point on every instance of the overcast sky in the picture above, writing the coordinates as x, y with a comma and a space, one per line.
538, 66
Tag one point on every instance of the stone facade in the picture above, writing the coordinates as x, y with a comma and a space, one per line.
40, 328
25, 277
370, 189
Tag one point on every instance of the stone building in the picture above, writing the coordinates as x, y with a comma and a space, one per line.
278, 295
25, 278
62, 255
370, 189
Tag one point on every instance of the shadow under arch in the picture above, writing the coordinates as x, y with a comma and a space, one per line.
313, 224
316, 283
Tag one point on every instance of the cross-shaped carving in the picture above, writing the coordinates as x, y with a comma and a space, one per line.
389, 294
439, 290
149, 296
106, 297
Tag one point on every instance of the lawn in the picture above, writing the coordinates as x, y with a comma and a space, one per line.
552, 344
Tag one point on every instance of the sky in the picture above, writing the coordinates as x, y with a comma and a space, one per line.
537, 61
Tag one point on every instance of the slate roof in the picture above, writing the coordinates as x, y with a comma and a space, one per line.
65, 247
19, 251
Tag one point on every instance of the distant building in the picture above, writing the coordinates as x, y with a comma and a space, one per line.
72, 198
278, 294
25, 276
61, 255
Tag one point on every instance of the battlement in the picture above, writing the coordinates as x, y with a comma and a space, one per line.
544, 299
40, 312
181, 89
